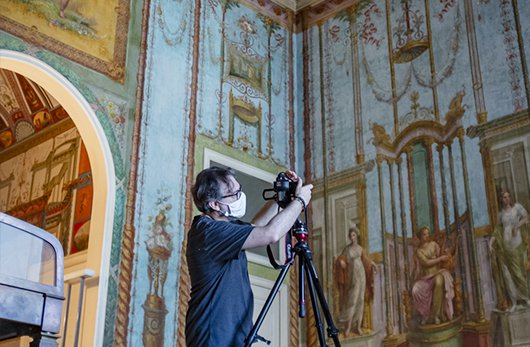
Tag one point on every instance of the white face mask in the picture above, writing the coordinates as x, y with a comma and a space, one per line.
236, 209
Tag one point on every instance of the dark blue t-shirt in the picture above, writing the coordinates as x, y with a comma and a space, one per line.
221, 303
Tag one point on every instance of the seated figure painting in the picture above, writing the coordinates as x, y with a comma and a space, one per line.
433, 291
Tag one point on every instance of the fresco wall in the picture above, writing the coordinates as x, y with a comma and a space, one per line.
404, 101
221, 70
159, 210
247, 56
231, 96
402, 116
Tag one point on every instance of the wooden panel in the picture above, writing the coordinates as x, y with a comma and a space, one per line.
21, 341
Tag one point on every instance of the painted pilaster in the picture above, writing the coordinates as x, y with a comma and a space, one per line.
127, 243
476, 75
392, 72
185, 282
356, 88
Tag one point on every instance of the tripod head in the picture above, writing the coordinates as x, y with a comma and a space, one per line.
300, 231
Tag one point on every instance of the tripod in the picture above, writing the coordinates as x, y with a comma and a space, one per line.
306, 268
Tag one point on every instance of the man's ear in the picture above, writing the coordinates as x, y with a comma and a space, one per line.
214, 205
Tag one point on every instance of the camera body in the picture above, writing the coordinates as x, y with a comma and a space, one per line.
285, 189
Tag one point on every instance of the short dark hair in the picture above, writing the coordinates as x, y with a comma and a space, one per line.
207, 186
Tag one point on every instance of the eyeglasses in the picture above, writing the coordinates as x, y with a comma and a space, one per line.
237, 194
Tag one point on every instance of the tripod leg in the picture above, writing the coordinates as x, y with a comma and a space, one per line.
316, 310
315, 285
251, 338
301, 288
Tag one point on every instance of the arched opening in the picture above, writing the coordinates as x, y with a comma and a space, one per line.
97, 257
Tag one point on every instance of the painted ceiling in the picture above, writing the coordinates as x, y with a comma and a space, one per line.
26, 110
300, 13
297, 5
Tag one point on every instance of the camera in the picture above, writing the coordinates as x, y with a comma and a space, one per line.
284, 188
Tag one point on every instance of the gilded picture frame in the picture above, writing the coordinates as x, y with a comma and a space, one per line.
93, 34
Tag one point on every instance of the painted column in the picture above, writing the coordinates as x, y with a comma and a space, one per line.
412, 200
459, 231
432, 183
388, 298
477, 290
447, 223
403, 226
399, 306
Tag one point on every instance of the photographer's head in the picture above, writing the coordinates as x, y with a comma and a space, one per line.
218, 193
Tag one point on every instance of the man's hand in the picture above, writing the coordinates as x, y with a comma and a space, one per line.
302, 191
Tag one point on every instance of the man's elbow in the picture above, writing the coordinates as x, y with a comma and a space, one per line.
272, 238
272, 235
265, 235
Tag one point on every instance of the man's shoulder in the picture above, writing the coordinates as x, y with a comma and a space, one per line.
200, 217
203, 222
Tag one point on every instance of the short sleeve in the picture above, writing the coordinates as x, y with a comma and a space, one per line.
224, 240
521, 210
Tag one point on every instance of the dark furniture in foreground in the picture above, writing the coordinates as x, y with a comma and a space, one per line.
31, 282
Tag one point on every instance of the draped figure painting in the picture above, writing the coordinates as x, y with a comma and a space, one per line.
508, 255
354, 279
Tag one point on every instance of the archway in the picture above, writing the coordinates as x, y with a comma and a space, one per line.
103, 175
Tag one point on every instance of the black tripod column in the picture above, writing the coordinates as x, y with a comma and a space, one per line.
301, 288
311, 284
317, 296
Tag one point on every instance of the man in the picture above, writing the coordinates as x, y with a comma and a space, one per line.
221, 303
